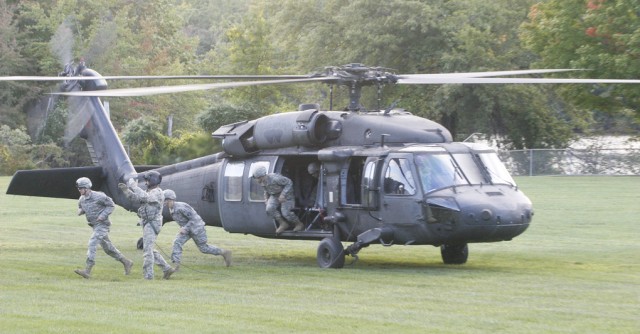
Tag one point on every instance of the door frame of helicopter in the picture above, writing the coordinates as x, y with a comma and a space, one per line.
242, 204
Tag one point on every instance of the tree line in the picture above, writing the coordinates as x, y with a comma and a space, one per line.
170, 37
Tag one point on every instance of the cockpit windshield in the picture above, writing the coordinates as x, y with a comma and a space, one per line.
496, 169
470, 168
438, 171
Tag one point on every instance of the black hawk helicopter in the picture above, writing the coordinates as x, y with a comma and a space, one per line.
385, 176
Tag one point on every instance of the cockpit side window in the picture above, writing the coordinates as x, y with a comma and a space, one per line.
398, 178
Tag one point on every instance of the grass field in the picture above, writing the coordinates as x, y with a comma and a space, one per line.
576, 270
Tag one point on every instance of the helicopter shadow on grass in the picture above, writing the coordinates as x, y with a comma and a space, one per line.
373, 262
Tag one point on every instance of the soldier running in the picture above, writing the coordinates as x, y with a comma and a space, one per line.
191, 226
96, 206
150, 213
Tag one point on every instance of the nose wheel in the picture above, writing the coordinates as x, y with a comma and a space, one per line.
330, 253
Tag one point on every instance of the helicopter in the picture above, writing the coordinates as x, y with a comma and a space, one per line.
385, 177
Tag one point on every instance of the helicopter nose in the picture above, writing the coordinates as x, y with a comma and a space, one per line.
498, 215
486, 215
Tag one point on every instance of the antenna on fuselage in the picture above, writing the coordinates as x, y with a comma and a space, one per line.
382, 137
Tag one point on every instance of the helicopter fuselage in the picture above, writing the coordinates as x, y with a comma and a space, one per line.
385, 177
454, 200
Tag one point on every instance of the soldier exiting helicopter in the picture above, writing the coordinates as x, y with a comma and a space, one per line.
150, 213
279, 199
96, 206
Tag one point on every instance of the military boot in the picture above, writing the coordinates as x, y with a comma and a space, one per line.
283, 225
127, 265
84, 273
226, 255
299, 227
168, 272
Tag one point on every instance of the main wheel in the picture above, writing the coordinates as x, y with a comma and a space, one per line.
330, 253
454, 254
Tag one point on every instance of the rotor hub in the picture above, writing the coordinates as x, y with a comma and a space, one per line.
355, 76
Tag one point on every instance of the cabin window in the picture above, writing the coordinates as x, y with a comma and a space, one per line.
398, 178
256, 191
233, 181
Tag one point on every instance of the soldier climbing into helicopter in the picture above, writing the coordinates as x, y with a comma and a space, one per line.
279, 199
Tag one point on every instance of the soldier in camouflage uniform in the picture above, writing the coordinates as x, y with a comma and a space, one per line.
278, 191
150, 213
96, 206
191, 226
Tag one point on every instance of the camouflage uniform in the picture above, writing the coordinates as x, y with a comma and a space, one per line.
97, 207
276, 185
150, 213
191, 226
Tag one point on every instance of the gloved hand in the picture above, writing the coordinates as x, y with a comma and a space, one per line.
131, 182
80, 212
123, 186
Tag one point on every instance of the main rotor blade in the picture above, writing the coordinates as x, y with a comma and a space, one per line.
154, 77
145, 91
463, 80
481, 74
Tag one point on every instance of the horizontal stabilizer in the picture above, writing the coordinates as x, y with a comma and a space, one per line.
59, 182
56, 183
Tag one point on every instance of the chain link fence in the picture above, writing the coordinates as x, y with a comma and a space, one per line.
572, 162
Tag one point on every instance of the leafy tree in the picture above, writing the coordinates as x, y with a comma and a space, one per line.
222, 114
115, 37
142, 136
14, 150
187, 146
12, 94
430, 37
210, 19
600, 36
248, 49
18, 152
147, 145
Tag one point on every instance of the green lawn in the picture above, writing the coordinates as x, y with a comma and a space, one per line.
576, 270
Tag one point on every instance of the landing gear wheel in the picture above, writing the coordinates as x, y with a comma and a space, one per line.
454, 254
330, 253
140, 244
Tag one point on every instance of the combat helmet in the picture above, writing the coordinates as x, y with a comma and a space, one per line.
153, 178
259, 172
169, 194
83, 182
